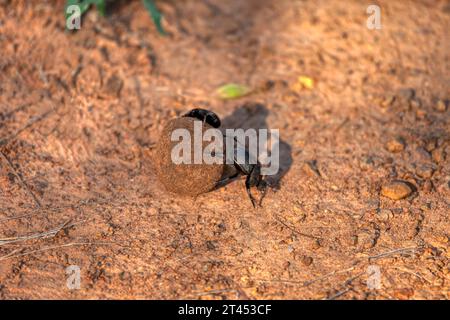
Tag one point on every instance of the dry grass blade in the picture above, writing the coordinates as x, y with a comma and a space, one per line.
19, 178
30, 123
47, 234
71, 244
392, 252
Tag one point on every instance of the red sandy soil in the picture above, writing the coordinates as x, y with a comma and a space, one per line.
80, 113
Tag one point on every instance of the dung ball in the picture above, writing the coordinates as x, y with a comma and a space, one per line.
185, 179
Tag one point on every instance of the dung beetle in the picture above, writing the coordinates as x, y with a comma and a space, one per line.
251, 171
206, 116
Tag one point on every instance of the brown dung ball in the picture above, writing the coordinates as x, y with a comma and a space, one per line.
185, 179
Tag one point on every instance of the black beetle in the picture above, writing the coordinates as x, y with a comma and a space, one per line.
252, 171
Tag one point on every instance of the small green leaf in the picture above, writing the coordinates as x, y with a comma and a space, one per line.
101, 7
155, 14
232, 91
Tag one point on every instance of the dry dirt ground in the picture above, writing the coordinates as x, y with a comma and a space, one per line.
80, 113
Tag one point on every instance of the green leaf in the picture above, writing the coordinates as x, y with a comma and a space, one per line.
155, 14
232, 91
101, 7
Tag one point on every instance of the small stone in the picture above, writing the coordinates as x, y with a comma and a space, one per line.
366, 163
395, 145
421, 154
441, 106
310, 168
286, 265
420, 113
431, 145
438, 155
316, 244
114, 85
307, 261
404, 294
415, 103
385, 214
425, 171
406, 94
388, 101
396, 190
428, 186
210, 245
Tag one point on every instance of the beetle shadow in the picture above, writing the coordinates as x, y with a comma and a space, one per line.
252, 115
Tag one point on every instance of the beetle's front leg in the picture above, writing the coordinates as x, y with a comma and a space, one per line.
248, 185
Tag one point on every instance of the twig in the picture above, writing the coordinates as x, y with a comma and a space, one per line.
342, 124
47, 234
33, 120
389, 253
42, 75
307, 283
296, 231
418, 275
21, 182
17, 217
71, 244
337, 295
75, 74
17, 109
346, 283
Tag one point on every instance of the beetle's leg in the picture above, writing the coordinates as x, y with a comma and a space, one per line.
262, 186
223, 182
248, 185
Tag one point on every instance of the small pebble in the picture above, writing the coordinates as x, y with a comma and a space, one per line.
415, 103
396, 190
438, 155
403, 294
406, 94
425, 171
428, 186
388, 101
114, 85
307, 261
420, 113
385, 214
310, 168
441, 106
395, 145
316, 244
431, 145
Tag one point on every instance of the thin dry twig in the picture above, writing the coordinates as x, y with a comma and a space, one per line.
19, 178
47, 234
392, 252
308, 282
294, 230
13, 111
345, 284
30, 123
71, 244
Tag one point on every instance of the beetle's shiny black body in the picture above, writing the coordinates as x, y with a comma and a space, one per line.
206, 116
